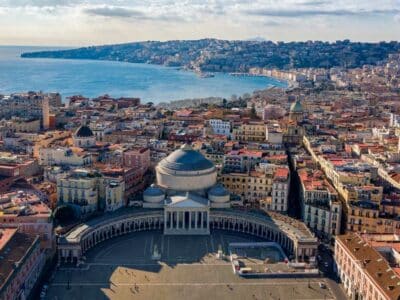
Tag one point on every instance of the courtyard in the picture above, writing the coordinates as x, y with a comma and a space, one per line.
124, 268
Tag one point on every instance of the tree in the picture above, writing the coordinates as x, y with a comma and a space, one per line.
246, 96
64, 214
253, 112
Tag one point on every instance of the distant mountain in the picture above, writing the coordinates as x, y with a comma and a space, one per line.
211, 55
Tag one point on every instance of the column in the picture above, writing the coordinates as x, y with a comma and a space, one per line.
196, 216
201, 219
171, 213
208, 220
176, 222
190, 220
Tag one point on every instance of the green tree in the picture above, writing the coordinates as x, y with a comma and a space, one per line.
253, 112
64, 214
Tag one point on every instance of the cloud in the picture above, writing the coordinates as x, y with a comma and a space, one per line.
75, 22
115, 12
314, 3
111, 11
38, 3
271, 23
295, 13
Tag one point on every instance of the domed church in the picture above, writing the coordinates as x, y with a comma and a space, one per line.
83, 137
186, 188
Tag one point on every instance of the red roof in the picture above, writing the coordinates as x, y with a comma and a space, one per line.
281, 173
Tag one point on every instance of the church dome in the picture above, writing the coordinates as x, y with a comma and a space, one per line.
218, 190
186, 159
296, 107
218, 194
153, 194
83, 131
186, 170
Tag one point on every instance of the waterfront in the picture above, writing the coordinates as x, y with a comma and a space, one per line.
93, 78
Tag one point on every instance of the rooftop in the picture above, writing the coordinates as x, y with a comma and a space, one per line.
373, 263
186, 159
14, 247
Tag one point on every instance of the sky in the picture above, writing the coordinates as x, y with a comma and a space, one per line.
94, 22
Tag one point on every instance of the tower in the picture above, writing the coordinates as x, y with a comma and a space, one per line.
46, 113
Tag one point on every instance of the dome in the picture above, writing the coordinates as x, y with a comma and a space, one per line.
296, 107
218, 190
83, 131
218, 194
186, 159
186, 170
153, 194
153, 191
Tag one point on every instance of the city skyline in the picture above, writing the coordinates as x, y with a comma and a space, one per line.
80, 23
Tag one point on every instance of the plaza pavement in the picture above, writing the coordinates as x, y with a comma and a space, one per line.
122, 268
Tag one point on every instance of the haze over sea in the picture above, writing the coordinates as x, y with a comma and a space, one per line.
94, 78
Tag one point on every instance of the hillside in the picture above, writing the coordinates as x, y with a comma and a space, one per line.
213, 55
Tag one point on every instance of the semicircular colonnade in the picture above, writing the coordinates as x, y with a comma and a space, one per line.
74, 244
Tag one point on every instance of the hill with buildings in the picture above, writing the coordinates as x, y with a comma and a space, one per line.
212, 55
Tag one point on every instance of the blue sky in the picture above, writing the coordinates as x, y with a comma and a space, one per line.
88, 22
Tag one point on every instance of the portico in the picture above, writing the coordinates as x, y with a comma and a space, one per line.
186, 214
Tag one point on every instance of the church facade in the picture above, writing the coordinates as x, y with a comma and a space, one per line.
186, 189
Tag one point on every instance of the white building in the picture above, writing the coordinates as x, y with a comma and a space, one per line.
321, 209
280, 190
63, 156
114, 193
90, 191
79, 188
220, 127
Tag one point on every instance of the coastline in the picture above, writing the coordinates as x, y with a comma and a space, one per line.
160, 85
199, 72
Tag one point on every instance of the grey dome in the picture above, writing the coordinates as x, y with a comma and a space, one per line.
153, 191
218, 190
186, 159
83, 131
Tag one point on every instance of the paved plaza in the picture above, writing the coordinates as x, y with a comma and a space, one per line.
123, 268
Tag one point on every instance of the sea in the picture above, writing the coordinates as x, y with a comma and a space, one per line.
91, 78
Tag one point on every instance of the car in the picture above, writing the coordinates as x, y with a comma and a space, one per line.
322, 285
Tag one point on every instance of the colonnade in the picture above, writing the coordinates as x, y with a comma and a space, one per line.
72, 246
186, 221
73, 251
264, 230
258, 229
